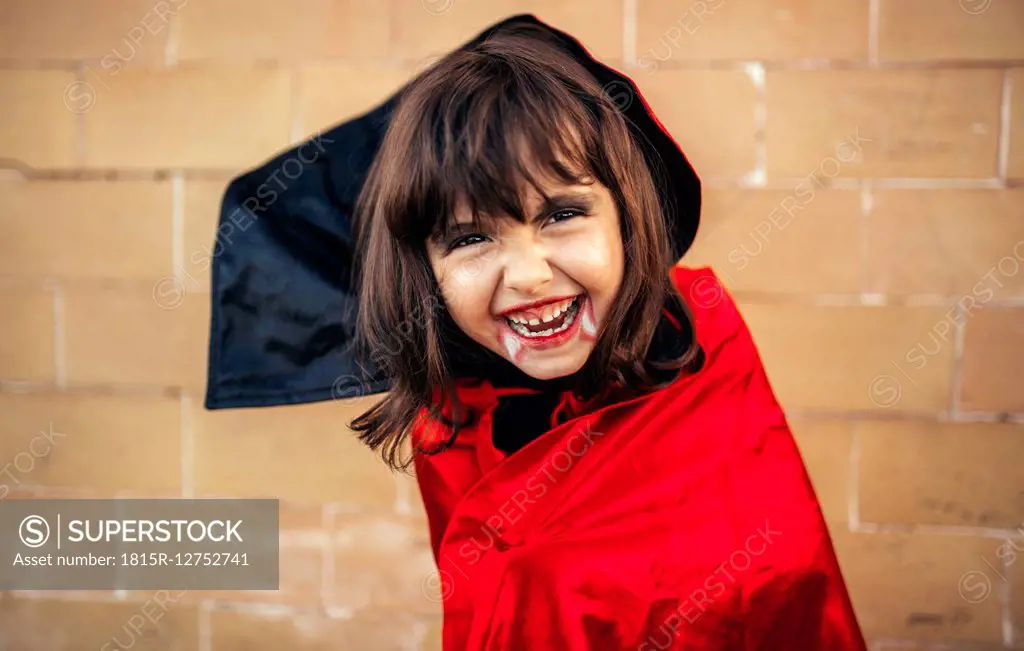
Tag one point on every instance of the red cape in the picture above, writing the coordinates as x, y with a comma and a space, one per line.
683, 519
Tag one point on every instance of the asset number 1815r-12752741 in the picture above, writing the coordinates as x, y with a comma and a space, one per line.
184, 559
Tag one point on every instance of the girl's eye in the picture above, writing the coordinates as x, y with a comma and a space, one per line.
467, 240
563, 215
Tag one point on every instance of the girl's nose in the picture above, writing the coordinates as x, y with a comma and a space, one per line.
527, 269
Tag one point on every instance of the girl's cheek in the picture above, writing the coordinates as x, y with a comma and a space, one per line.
586, 251
470, 280
471, 270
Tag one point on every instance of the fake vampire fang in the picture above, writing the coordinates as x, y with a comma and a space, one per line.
587, 326
513, 346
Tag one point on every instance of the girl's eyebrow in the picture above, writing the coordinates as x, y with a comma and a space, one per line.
458, 228
451, 230
563, 200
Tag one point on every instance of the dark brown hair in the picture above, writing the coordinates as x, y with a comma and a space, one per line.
477, 129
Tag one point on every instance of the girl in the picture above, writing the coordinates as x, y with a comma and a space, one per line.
601, 458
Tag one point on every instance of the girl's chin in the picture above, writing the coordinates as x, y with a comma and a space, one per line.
552, 364
549, 370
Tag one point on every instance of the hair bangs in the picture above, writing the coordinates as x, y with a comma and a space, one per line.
480, 153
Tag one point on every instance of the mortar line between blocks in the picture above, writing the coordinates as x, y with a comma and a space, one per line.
205, 626
187, 447
1005, 588
60, 361
629, 31
178, 226
1003, 163
295, 99
403, 495
418, 637
988, 533
956, 383
263, 609
328, 522
171, 46
755, 71
873, 24
867, 205
853, 483
80, 149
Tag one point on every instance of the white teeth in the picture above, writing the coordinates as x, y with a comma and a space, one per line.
519, 324
551, 316
550, 313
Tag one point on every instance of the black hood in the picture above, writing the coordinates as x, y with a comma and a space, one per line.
283, 298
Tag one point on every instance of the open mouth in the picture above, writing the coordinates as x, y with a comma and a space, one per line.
547, 321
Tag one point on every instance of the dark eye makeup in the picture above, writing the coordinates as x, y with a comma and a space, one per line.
566, 213
466, 240
556, 217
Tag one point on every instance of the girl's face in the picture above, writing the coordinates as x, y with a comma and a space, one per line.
535, 293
